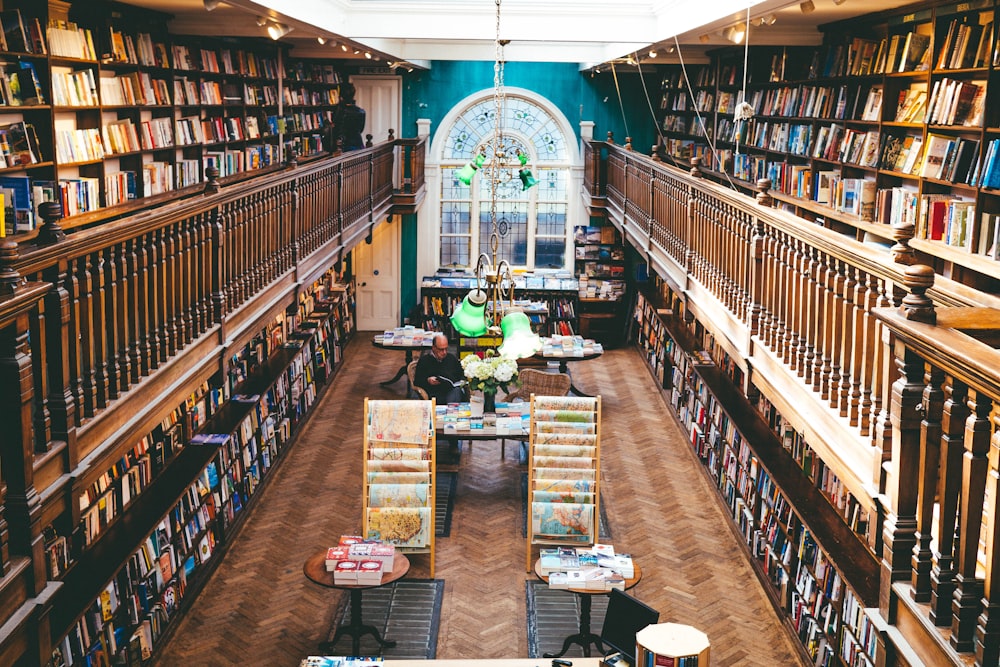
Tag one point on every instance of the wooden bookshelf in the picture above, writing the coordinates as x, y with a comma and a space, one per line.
120, 111
891, 121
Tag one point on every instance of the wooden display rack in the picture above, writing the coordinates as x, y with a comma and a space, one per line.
671, 645
564, 459
399, 475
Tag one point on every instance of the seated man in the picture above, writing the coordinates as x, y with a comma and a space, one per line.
435, 368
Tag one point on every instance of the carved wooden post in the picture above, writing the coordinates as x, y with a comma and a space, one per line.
10, 279
927, 483
757, 277
212, 184
975, 466
392, 135
953, 415
916, 305
901, 251
988, 627
368, 141
611, 137
696, 171
50, 231
764, 197
20, 532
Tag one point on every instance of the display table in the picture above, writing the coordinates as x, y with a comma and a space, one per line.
315, 571
584, 638
548, 353
408, 348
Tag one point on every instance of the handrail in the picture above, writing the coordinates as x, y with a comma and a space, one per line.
804, 310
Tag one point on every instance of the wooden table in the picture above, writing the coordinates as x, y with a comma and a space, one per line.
585, 637
408, 349
315, 571
564, 366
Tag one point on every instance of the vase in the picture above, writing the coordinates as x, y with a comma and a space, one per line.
489, 402
476, 405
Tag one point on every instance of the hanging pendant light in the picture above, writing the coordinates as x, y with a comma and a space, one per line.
469, 319
519, 341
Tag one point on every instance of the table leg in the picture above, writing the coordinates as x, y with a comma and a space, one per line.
356, 629
401, 372
585, 637
564, 368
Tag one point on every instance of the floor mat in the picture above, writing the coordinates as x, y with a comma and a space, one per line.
554, 615
407, 612
447, 482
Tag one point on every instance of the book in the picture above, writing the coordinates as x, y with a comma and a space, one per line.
453, 383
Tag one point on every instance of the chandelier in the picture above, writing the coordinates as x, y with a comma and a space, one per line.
494, 290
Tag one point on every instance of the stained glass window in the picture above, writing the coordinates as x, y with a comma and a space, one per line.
531, 223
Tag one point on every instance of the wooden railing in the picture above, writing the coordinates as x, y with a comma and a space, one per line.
798, 303
103, 330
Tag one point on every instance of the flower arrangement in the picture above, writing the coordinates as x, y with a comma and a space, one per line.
490, 372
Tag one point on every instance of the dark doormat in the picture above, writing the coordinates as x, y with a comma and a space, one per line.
603, 529
444, 501
407, 612
554, 615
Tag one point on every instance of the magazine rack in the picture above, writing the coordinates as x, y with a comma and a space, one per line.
563, 472
399, 482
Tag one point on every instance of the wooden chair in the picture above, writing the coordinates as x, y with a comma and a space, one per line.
415, 391
539, 383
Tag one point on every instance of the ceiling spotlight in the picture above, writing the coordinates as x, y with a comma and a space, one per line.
737, 33
261, 21
704, 39
343, 47
807, 6
321, 40
368, 55
211, 4
357, 52
409, 69
652, 53
278, 30
771, 19
670, 49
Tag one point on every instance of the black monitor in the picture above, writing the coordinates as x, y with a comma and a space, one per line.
625, 616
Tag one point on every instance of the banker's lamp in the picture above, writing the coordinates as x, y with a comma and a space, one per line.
494, 281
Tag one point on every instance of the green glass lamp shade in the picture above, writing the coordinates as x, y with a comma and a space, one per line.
527, 180
469, 319
522, 157
519, 341
468, 172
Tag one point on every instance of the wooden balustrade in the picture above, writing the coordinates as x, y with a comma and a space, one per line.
131, 313
818, 303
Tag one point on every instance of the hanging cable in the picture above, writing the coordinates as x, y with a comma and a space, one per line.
621, 105
649, 102
743, 112
708, 138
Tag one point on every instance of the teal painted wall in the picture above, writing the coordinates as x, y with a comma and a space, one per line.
432, 94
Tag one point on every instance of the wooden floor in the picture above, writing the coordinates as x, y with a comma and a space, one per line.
259, 609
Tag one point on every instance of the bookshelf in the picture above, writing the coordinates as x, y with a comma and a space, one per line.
802, 528
600, 270
550, 301
399, 468
107, 108
889, 122
200, 469
564, 472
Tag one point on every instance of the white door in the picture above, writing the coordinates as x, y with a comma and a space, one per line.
376, 273
380, 97
376, 266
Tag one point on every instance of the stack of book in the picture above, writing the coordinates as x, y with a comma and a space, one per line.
407, 335
570, 346
597, 568
358, 561
338, 661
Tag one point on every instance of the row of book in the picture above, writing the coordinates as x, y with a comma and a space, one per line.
21, 35
902, 52
19, 84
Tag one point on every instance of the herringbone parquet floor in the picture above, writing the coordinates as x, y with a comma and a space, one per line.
258, 608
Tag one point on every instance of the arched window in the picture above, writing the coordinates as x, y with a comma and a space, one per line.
532, 223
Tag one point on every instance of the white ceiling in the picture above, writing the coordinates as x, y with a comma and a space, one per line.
588, 32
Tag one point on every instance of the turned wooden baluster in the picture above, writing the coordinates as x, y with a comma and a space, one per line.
831, 391
975, 466
954, 412
883, 374
294, 227
112, 320
59, 342
155, 299
847, 343
757, 280
988, 627
135, 309
781, 313
796, 342
88, 355
927, 483
769, 324
41, 420
865, 299
901, 523
185, 283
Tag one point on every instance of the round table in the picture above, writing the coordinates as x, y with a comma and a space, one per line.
315, 571
585, 637
564, 366
408, 349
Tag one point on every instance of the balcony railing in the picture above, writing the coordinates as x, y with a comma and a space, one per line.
103, 330
806, 307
